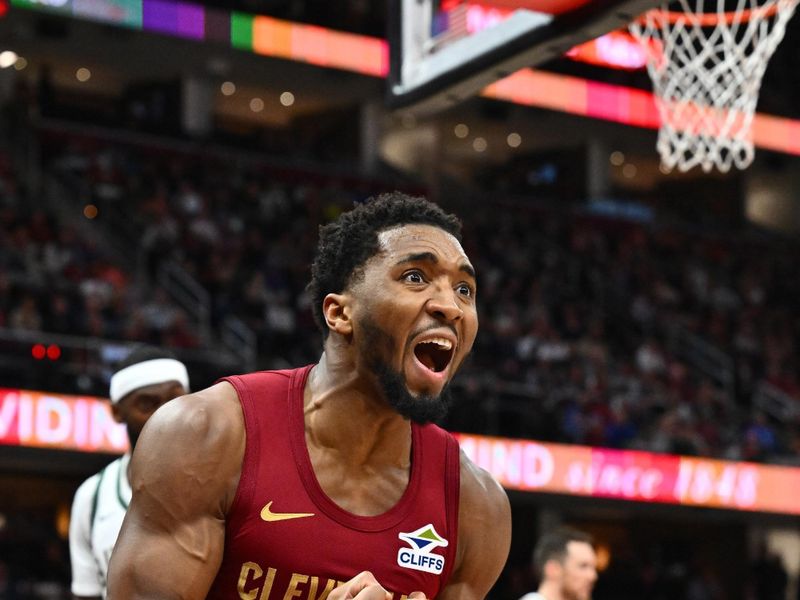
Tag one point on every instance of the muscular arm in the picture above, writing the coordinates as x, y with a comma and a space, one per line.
484, 535
184, 474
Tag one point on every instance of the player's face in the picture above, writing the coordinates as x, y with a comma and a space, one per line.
579, 571
138, 406
415, 318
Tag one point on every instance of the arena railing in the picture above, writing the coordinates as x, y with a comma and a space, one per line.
776, 402
706, 357
189, 294
241, 340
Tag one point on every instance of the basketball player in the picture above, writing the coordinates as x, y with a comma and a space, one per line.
565, 564
145, 380
281, 485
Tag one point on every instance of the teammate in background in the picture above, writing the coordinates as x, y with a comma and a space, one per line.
565, 565
145, 380
285, 484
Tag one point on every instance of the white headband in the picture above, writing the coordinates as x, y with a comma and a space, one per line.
149, 372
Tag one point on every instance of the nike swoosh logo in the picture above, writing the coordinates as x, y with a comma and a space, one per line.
269, 516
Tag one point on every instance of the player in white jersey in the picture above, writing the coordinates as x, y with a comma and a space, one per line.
145, 380
566, 565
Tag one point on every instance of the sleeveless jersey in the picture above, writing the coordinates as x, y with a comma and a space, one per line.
286, 539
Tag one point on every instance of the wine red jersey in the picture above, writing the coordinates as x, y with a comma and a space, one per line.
286, 539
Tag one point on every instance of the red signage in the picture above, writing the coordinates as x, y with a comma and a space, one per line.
44, 420
637, 476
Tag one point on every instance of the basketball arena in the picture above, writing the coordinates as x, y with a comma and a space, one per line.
627, 174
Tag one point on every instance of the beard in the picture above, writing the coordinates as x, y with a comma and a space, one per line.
421, 409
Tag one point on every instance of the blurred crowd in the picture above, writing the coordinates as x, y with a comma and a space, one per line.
54, 279
588, 313
579, 315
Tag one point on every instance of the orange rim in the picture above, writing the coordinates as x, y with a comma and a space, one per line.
713, 19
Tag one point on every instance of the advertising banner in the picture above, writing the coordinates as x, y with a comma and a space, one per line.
45, 420
637, 476
84, 423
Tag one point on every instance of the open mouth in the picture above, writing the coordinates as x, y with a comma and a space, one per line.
434, 353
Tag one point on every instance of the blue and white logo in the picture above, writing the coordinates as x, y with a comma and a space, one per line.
420, 556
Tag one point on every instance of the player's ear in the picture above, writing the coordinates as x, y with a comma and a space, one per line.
552, 569
336, 310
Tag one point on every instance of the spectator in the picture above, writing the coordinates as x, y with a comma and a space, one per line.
26, 315
565, 564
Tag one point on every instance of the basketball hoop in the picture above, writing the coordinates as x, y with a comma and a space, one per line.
707, 65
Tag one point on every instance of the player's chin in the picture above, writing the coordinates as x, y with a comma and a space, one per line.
426, 392
423, 381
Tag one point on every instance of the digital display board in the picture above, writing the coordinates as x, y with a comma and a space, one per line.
634, 475
44, 420
84, 423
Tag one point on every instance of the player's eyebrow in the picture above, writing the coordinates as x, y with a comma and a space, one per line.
432, 258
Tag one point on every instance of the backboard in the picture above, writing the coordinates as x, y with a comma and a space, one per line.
444, 51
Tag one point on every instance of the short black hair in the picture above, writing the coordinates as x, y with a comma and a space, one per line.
352, 239
553, 546
142, 353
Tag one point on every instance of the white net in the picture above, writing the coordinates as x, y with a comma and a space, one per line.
707, 64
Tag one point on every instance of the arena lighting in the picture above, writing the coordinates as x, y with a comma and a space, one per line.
256, 105
603, 551
253, 33
287, 98
370, 56
7, 59
40, 351
62, 521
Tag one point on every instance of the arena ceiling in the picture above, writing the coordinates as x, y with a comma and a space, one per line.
119, 57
